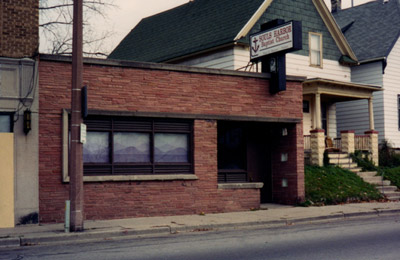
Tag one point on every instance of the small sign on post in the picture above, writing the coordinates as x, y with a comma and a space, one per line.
83, 134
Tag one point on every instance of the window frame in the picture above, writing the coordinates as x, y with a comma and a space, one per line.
154, 175
311, 50
11, 116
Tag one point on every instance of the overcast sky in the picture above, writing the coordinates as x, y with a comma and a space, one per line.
130, 12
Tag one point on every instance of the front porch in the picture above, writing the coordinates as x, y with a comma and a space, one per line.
348, 143
320, 132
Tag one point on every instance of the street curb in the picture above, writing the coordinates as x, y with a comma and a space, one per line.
87, 236
98, 234
9, 242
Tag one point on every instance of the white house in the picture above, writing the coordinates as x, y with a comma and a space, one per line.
373, 30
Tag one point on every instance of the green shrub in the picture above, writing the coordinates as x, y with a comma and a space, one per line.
363, 160
392, 174
387, 156
334, 185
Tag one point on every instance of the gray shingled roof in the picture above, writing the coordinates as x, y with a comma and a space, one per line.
186, 29
372, 28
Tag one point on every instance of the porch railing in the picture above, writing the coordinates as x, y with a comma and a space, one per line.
337, 143
361, 142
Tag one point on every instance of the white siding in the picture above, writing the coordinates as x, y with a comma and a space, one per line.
216, 60
391, 81
354, 115
299, 65
332, 120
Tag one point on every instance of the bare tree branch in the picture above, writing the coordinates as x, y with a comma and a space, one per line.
56, 26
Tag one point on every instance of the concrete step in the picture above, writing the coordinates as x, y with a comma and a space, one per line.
380, 182
340, 160
374, 179
367, 174
348, 165
386, 189
354, 169
337, 155
393, 195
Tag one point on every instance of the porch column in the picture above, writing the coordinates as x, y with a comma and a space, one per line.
318, 122
373, 146
371, 114
347, 141
317, 141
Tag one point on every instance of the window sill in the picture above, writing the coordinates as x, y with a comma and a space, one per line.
244, 185
169, 177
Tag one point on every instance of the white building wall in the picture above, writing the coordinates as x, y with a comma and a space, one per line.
224, 59
353, 115
18, 80
391, 83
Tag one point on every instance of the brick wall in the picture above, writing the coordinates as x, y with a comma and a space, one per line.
19, 28
151, 90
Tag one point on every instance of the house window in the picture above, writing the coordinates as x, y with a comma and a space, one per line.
306, 106
315, 46
6, 122
126, 146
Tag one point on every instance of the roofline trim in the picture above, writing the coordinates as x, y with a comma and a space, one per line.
382, 59
393, 44
163, 66
334, 29
342, 83
246, 29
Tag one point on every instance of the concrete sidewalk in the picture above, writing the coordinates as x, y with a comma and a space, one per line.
271, 215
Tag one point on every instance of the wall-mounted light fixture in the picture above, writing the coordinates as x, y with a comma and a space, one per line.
27, 121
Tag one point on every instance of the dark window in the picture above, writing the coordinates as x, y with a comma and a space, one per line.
122, 146
232, 159
324, 117
6, 122
306, 106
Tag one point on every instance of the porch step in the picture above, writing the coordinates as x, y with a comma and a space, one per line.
367, 174
377, 181
334, 155
347, 165
392, 195
340, 160
355, 169
344, 161
383, 186
387, 189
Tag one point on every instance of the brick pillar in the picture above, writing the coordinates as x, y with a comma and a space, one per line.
347, 141
373, 146
317, 146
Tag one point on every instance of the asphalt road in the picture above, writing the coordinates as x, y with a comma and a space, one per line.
372, 238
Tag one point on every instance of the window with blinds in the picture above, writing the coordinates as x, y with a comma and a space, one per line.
129, 146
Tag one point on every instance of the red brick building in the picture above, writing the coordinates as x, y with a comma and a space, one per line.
19, 28
170, 140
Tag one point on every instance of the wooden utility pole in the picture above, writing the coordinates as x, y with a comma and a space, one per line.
76, 158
